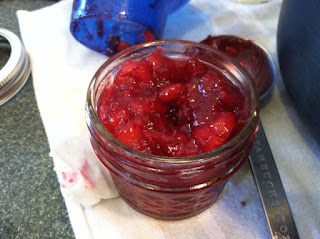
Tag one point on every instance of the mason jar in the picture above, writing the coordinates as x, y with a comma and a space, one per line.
171, 187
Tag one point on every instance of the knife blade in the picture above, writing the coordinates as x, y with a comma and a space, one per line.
273, 197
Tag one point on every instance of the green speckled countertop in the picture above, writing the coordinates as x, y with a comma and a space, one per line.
31, 205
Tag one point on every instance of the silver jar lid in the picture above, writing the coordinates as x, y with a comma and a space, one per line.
15, 72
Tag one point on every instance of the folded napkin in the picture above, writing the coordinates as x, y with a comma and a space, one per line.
62, 69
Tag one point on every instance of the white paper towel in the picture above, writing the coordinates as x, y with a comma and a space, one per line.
62, 69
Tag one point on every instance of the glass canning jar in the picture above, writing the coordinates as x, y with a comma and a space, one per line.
171, 187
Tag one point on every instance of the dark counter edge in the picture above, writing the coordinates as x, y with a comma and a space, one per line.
31, 204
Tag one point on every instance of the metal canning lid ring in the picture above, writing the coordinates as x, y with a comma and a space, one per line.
16, 71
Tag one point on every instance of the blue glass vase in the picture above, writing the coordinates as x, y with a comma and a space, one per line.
108, 26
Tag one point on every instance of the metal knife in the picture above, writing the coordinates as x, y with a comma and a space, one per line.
272, 194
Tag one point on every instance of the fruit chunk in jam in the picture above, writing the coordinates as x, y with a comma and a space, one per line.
172, 107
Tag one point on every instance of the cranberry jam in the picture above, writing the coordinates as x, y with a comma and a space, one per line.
172, 121
172, 107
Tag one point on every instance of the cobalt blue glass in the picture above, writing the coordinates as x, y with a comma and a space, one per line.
108, 26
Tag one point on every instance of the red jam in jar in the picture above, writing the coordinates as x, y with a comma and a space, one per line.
172, 120
172, 107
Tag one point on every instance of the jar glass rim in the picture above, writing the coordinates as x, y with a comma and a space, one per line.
93, 119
